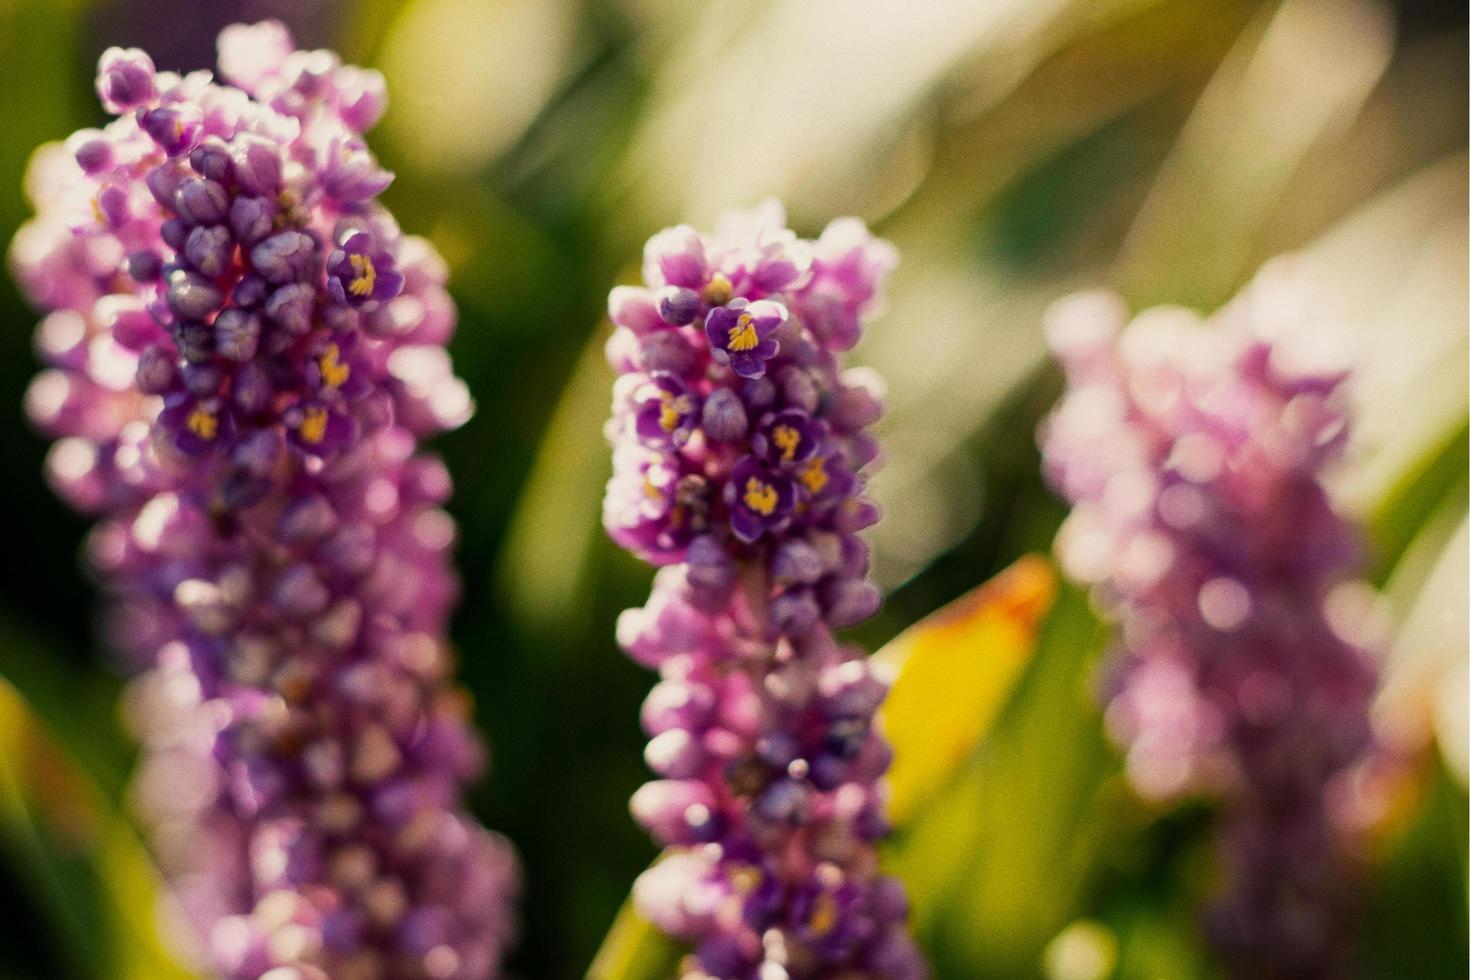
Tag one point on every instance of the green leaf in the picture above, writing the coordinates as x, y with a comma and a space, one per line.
557, 512
77, 707
635, 949
80, 852
1416, 916
996, 865
1419, 495
1157, 944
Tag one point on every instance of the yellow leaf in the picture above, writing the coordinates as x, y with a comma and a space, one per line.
955, 670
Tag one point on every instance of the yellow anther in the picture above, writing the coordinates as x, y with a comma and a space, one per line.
824, 915
760, 497
788, 440
364, 278
334, 372
202, 423
814, 475
745, 879
742, 335
314, 425
719, 290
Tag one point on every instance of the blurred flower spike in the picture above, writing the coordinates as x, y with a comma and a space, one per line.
230, 317
740, 448
1193, 451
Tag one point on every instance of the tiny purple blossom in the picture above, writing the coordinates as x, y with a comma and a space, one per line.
335, 370
198, 426
361, 272
740, 334
760, 499
351, 174
652, 508
125, 79
318, 428
667, 411
787, 439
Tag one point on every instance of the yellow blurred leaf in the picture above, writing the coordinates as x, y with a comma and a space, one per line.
634, 949
955, 670
80, 852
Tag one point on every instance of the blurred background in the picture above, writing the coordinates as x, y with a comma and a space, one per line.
1013, 150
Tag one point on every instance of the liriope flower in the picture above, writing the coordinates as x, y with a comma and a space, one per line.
1193, 452
739, 452
244, 351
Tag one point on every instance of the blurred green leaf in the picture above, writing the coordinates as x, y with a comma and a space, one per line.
1154, 944
545, 556
995, 865
81, 852
78, 707
635, 949
1411, 504
1416, 916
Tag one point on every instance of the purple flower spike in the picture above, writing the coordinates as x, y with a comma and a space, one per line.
1193, 453
746, 485
361, 272
740, 335
276, 552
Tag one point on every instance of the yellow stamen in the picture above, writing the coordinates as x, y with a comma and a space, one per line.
814, 476
719, 290
97, 210
788, 440
742, 335
314, 425
202, 423
334, 372
824, 915
651, 491
365, 277
760, 497
745, 879
668, 417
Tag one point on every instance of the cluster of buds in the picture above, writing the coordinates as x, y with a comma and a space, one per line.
739, 451
1192, 452
244, 351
